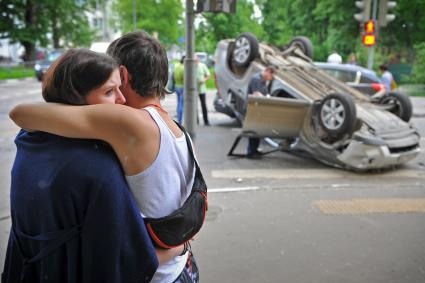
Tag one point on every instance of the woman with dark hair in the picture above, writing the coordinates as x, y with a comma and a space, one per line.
152, 149
73, 217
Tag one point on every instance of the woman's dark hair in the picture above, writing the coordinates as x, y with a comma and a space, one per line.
146, 61
73, 75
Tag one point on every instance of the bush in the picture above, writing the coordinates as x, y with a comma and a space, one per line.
418, 73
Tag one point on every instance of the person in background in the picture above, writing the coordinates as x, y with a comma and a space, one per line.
202, 75
178, 74
258, 87
387, 78
352, 59
335, 58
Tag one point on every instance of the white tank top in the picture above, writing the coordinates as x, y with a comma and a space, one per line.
164, 186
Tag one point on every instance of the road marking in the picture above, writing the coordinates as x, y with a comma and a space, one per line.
310, 174
371, 206
235, 189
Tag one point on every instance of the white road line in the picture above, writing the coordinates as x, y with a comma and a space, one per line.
310, 174
236, 189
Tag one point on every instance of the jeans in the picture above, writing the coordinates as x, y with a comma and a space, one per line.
180, 104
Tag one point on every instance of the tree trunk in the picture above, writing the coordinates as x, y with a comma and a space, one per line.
30, 20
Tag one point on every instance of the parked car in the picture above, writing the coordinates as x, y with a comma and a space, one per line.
42, 66
320, 115
367, 82
362, 79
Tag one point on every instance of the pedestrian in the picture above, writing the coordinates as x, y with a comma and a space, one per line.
202, 75
387, 78
73, 217
352, 59
162, 180
258, 87
335, 58
178, 74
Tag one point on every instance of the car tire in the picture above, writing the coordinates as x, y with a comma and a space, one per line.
402, 106
337, 115
246, 50
304, 43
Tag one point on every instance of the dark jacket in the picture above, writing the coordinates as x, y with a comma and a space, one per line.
73, 217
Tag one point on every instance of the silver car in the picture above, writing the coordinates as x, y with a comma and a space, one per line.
315, 112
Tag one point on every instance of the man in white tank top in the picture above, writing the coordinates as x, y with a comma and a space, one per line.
166, 183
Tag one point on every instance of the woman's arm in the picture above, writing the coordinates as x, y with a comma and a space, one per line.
108, 122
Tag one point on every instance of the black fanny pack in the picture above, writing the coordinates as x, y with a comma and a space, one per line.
184, 223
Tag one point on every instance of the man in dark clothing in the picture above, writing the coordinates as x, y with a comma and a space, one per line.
258, 87
73, 217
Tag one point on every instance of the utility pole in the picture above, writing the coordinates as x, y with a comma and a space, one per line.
134, 16
189, 73
371, 51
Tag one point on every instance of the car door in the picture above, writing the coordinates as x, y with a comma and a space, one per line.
275, 117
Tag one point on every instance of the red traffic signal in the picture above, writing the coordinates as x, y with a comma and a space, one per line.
369, 26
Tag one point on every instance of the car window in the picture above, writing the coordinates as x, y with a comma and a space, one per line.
54, 55
368, 80
342, 75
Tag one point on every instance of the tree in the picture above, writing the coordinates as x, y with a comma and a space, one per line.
31, 21
161, 16
220, 26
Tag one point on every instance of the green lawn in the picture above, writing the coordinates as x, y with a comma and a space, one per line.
16, 72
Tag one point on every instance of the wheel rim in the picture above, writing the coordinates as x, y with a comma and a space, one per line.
333, 114
299, 45
395, 103
242, 50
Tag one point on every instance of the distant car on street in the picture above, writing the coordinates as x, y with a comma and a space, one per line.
362, 79
42, 66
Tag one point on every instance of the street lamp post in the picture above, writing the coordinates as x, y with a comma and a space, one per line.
189, 73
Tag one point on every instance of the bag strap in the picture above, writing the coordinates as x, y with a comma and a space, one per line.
198, 172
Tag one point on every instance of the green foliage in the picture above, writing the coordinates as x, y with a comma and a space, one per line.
161, 16
29, 22
220, 26
419, 65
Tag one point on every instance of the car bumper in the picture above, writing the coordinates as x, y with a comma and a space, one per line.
368, 153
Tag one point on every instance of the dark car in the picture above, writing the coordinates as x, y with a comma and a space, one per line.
42, 66
362, 79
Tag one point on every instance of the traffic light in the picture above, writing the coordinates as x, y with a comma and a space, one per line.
369, 39
365, 7
216, 6
383, 16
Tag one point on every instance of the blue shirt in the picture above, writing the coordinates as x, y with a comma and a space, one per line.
257, 84
73, 217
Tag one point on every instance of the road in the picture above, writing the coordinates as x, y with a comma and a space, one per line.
283, 218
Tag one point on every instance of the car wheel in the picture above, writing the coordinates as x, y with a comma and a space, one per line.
246, 49
304, 44
401, 104
337, 115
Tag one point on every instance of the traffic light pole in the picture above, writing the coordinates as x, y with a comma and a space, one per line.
189, 73
371, 51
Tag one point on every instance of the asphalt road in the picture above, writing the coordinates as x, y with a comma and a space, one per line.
283, 218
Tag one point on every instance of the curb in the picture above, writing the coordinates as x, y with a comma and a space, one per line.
7, 81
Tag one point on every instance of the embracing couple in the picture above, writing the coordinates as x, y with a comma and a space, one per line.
73, 217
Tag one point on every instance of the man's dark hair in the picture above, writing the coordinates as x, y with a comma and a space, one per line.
146, 61
270, 69
383, 67
73, 75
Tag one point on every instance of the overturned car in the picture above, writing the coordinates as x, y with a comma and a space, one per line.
307, 109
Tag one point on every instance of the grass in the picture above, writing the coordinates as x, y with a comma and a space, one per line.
16, 72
